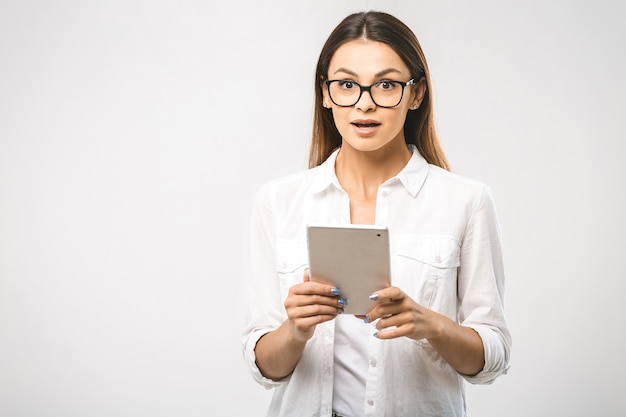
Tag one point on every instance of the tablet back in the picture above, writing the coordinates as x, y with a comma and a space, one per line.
354, 258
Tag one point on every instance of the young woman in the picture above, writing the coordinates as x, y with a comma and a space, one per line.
375, 159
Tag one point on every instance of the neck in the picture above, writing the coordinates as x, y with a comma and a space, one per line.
362, 172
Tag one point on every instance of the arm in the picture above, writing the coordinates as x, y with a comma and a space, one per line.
308, 304
480, 288
478, 345
277, 329
278, 353
460, 346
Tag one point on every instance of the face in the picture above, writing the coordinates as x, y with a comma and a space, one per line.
366, 126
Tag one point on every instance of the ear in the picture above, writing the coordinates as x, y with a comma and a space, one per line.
326, 103
418, 91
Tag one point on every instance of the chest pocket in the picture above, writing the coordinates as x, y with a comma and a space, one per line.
291, 261
425, 267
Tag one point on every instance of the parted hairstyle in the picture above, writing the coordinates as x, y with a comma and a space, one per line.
419, 127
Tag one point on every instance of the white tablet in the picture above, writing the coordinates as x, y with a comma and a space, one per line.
354, 258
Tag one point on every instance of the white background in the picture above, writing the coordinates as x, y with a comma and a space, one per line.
134, 133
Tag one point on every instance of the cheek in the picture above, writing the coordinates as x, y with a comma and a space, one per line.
402, 117
342, 121
398, 120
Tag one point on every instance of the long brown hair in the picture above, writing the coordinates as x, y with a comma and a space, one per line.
419, 127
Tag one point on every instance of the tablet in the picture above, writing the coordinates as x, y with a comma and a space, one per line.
353, 258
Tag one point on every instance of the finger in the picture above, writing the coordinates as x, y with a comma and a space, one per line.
315, 310
389, 333
329, 287
307, 323
294, 301
313, 287
332, 301
389, 294
392, 320
384, 309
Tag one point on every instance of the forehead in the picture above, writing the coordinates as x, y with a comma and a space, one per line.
366, 58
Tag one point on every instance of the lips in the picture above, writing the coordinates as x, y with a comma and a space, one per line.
365, 128
364, 124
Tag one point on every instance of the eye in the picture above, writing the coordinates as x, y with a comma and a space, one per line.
386, 85
347, 85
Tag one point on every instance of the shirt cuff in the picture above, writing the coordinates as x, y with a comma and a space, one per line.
496, 356
250, 358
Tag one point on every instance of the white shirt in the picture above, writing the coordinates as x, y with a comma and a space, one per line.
351, 364
446, 255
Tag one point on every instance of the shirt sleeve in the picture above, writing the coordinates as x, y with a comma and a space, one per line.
265, 308
481, 288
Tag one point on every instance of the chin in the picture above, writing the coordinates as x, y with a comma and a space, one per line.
366, 147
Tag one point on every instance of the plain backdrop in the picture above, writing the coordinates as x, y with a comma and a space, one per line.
133, 135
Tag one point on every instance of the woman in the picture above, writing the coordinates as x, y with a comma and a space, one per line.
375, 159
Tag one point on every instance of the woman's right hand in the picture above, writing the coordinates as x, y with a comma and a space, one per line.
309, 304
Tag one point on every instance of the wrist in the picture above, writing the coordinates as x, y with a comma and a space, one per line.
297, 338
441, 327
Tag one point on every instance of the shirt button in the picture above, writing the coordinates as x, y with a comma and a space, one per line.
384, 194
373, 363
438, 259
283, 265
370, 402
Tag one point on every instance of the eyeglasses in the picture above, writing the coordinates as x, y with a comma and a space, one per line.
384, 93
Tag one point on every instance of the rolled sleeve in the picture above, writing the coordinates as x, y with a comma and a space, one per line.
481, 288
265, 310
496, 356
250, 342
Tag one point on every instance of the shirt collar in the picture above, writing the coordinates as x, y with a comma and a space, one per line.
414, 173
412, 176
326, 176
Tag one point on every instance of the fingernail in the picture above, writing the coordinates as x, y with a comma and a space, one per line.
343, 302
340, 310
374, 297
334, 291
376, 334
366, 319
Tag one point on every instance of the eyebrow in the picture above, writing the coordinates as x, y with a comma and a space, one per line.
378, 74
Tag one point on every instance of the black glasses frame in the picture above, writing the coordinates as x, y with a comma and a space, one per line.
368, 89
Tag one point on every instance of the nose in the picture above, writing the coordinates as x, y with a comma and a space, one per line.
365, 102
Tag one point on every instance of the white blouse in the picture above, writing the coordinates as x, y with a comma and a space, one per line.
446, 255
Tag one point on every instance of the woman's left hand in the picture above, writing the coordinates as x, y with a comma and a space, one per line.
401, 316
398, 315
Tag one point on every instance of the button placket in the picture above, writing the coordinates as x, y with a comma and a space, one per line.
373, 374
382, 206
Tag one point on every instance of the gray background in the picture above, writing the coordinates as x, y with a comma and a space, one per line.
134, 133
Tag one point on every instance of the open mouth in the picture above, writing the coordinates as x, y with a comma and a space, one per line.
365, 124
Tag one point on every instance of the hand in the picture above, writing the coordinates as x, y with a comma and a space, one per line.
309, 304
400, 316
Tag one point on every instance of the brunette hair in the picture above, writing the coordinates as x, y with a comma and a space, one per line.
419, 127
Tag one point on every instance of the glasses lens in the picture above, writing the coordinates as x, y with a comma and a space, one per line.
347, 93
386, 93
344, 93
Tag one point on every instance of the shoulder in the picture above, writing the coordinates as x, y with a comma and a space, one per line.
455, 188
288, 187
443, 178
293, 181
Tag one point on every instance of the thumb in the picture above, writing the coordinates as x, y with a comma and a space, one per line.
306, 276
